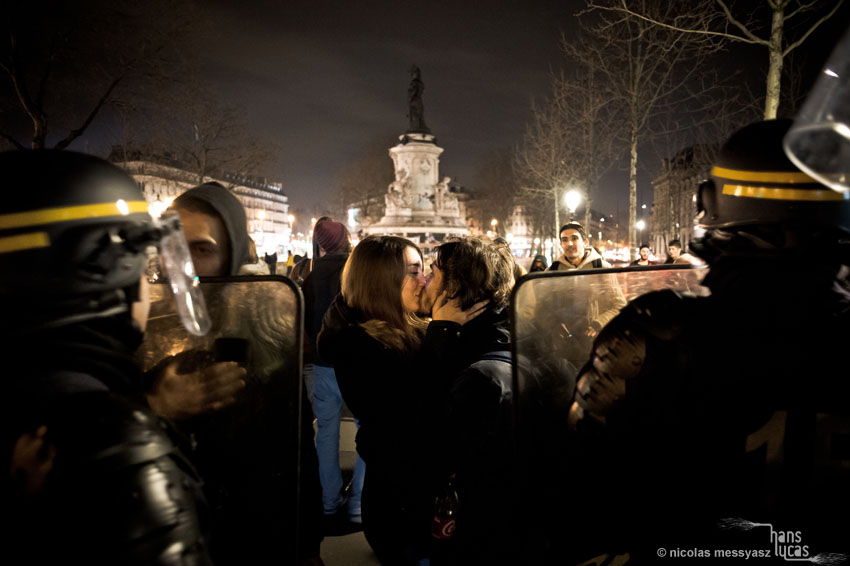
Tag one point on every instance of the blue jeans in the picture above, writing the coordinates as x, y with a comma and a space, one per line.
327, 405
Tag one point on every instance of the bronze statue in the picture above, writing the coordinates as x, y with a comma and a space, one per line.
416, 113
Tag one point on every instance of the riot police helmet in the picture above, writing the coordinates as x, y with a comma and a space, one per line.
75, 237
753, 183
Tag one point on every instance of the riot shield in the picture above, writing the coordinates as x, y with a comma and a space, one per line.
555, 316
248, 454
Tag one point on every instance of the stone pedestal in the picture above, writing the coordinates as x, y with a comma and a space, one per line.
419, 205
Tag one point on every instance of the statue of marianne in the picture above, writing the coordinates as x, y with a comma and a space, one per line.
416, 112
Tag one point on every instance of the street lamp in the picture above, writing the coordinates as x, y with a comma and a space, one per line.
572, 199
291, 220
493, 224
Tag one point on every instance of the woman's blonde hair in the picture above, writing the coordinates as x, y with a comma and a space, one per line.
371, 282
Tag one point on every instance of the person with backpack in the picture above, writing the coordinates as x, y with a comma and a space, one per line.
472, 375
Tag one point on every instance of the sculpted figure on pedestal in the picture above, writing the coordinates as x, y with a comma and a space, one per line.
416, 112
398, 196
444, 200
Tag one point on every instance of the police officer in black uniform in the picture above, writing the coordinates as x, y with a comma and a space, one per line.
722, 423
93, 476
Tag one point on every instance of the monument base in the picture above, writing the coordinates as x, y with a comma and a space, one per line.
426, 235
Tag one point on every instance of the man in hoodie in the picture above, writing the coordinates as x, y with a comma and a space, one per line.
539, 264
216, 229
320, 289
578, 254
217, 233
473, 375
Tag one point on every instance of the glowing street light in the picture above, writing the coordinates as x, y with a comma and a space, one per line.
291, 220
640, 225
572, 200
261, 214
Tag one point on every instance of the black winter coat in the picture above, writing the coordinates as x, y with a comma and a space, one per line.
391, 396
320, 288
476, 435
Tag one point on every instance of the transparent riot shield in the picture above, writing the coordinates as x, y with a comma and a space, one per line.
249, 453
554, 320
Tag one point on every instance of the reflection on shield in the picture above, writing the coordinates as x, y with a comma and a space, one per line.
552, 312
248, 453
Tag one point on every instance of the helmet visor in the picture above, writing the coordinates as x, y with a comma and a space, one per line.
819, 140
177, 265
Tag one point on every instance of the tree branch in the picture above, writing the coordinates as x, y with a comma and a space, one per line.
799, 42
12, 140
747, 33
74, 134
748, 37
801, 8
22, 94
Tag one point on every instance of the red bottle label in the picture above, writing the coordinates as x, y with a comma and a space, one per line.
443, 527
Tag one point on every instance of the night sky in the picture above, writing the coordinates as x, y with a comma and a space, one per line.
323, 80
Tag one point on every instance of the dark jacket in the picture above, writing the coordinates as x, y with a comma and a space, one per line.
477, 434
385, 390
119, 490
320, 289
714, 417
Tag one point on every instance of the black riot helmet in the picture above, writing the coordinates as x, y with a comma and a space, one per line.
74, 238
754, 184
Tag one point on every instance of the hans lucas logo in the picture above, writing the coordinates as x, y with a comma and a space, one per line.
786, 544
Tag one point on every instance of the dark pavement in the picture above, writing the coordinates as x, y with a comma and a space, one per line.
344, 544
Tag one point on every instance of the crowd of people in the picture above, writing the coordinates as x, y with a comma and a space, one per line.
671, 424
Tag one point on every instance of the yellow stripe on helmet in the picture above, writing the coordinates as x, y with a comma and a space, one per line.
24, 242
67, 213
790, 177
780, 193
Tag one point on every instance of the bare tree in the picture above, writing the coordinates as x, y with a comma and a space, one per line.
572, 138
218, 142
195, 132
366, 180
496, 189
719, 22
649, 70
689, 144
541, 160
591, 116
65, 63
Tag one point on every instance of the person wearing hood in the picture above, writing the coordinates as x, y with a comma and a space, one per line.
578, 254
539, 264
472, 370
216, 229
320, 288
